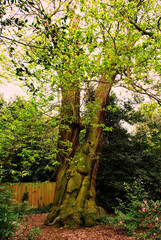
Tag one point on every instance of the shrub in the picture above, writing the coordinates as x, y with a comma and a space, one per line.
8, 217
12, 217
140, 217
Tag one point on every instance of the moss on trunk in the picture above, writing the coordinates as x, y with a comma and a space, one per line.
74, 203
78, 207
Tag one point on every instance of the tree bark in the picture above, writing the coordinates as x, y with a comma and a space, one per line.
74, 202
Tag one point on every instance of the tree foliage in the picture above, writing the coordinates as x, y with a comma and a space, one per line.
127, 157
80, 48
149, 131
28, 141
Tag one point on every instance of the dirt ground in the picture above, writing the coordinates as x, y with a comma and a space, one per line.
100, 232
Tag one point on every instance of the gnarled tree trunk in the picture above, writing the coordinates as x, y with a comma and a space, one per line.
74, 202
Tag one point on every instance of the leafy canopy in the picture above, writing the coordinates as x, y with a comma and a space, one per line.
28, 141
72, 43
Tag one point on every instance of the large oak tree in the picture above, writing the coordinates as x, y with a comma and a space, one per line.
78, 51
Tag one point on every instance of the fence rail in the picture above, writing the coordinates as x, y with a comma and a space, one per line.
37, 194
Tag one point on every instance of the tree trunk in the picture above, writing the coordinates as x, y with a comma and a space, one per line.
74, 202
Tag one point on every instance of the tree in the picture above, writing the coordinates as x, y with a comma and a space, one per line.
150, 129
27, 143
83, 50
129, 157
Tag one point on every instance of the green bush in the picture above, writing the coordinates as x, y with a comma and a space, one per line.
8, 217
12, 216
140, 216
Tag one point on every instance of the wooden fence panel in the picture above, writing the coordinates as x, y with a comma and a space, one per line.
38, 194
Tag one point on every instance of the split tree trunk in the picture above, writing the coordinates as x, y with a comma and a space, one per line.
74, 202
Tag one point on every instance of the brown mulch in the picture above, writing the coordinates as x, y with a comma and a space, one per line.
100, 232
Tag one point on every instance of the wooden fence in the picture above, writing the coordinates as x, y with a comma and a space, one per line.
37, 194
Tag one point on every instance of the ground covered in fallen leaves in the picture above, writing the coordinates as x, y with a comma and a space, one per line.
100, 232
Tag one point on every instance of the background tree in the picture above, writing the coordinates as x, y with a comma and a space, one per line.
86, 54
128, 157
28, 142
150, 129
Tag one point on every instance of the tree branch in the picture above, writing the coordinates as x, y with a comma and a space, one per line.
159, 22
19, 42
144, 32
139, 89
